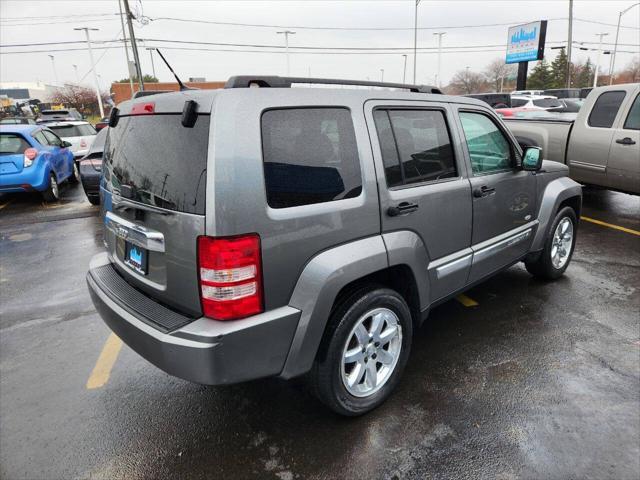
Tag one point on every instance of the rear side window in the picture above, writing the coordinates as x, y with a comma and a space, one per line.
162, 162
11, 144
68, 131
416, 146
547, 103
518, 102
633, 119
310, 156
605, 109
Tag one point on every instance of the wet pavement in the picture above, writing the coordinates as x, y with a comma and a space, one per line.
539, 380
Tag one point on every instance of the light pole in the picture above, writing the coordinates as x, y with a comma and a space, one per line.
55, 72
134, 46
595, 73
439, 34
612, 63
286, 34
126, 50
415, 40
93, 67
153, 67
404, 70
75, 67
382, 75
569, 43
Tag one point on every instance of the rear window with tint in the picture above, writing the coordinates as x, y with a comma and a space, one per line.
11, 144
310, 156
605, 109
163, 161
518, 102
633, 119
547, 103
68, 131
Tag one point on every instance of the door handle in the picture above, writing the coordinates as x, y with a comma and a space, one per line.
483, 191
404, 208
625, 141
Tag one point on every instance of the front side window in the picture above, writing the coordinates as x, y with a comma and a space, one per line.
42, 140
52, 138
633, 119
605, 109
489, 149
415, 145
310, 156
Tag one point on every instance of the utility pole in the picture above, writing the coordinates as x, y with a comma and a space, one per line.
55, 72
569, 43
286, 34
153, 67
404, 70
595, 73
612, 62
415, 40
382, 75
134, 46
93, 67
126, 50
75, 67
439, 34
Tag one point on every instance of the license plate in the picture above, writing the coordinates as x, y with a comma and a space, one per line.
136, 258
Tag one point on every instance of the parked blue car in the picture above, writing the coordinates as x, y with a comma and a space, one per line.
33, 158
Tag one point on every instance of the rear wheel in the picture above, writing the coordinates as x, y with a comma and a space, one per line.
558, 248
364, 351
94, 199
52, 193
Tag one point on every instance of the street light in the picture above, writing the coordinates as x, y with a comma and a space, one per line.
612, 63
595, 74
55, 72
75, 67
286, 34
153, 67
439, 34
93, 67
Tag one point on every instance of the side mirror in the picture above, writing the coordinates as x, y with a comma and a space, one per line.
532, 159
65, 144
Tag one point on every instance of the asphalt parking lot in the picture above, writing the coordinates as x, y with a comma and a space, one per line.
517, 379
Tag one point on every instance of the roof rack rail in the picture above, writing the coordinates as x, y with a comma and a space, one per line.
273, 81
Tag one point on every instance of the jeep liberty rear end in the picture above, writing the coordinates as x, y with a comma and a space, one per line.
256, 232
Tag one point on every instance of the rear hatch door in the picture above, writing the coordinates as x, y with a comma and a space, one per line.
154, 203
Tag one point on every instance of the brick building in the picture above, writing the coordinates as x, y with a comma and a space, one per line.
122, 91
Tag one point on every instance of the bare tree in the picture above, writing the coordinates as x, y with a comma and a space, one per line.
631, 72
465, 81
497, 72
82, 98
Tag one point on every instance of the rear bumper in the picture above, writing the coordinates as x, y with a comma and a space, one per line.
31, 178
202, 350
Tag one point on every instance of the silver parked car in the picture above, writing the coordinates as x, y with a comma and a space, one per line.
279, 231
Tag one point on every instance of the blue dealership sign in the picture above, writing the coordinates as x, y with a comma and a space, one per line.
526, 42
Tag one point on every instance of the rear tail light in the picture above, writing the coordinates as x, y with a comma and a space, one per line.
230, 275
143, 108
29, 156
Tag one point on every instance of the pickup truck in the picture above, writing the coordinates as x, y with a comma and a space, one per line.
601, 146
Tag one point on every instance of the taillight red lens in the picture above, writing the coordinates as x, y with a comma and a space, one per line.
143, 108
29, 155
230, 274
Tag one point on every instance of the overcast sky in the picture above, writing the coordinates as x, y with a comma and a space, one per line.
28, 22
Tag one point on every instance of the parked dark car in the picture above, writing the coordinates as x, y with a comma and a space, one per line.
102, 123
69, 114
495, 100
563, 92
17, 121
91, 168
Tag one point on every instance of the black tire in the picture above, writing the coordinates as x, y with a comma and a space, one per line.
52, 193
75, 175
542, 267
326, 375
94, 199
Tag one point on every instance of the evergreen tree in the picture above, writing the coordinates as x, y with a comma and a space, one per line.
585, 74
541, 76
559, 70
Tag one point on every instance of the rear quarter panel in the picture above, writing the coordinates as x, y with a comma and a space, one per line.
550, 136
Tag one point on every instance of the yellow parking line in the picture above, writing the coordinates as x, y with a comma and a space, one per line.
615, 227
466, 301
5, 204
100, 374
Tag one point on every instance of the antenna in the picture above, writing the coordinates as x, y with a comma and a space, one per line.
182, 85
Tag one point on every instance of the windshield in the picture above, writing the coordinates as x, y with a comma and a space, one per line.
163, 161
12, 144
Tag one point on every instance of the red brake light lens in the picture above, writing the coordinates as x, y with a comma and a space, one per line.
143, 108
29, 156
230, 274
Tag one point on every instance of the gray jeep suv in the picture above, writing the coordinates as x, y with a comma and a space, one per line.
279, 231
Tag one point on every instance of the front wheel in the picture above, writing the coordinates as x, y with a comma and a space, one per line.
75, 174
364, 351
52, 193
558, 248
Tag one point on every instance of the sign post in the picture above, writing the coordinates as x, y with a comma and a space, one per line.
526, 44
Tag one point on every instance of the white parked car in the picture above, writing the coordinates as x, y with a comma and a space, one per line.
80, 134
535, 102
526, 92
